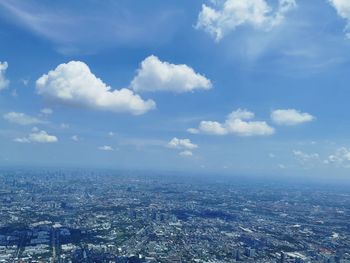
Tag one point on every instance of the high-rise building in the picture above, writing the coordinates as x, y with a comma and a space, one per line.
250, 252
237, 255
283, 257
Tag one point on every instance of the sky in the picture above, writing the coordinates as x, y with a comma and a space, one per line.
229, 86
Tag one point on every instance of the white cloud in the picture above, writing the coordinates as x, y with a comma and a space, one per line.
21, 118
106, 148
182, 144
212, 127
241, 114
64, 126
39, 137
22, 140
249, 128
186, 153
290, 117
155, 75
306, 157
3, 81
341, 157
343, 9
74, 84
75, 138
193, 130
25, 82
42, 137
239, 123
46, 111
231, 14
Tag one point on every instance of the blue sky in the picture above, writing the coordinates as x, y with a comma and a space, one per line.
229, 86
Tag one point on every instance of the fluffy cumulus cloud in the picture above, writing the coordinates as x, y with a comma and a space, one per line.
343, 9
21, 118
290, 117
3, 81
182, 144
239, 123
341, 157
38, 136
212, 127
42, 137
227, 15
74, 84
156, 75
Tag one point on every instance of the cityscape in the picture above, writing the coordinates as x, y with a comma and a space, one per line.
108, 216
